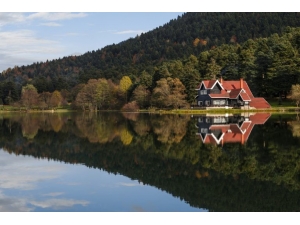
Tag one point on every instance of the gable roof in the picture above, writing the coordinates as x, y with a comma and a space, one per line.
234, 132
232, 89
209, 84
245, 96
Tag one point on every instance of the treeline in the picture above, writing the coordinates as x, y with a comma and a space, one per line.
270, 66
189, 34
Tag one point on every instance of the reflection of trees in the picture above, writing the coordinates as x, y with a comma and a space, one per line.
231, 177
295, 125
126, 137
142, 127
271, 154
100, 129
56, 122
169, 128
30, 127
131, 116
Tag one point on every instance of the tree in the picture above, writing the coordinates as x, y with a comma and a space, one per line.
169, 93
10, 92
90, 93
191, 78
102, 93
295, 95
44, 100
125, 84
56, 99
81, 100
177, 97
146, 79
29, 96
213, 69
161, 93
141, 95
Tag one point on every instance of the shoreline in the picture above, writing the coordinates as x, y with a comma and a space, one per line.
162, 111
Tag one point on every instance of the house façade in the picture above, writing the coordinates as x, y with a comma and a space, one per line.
233, 93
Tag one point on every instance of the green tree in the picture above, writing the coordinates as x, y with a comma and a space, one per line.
102, 93
29, 96
213, 70
191, 78
146, 79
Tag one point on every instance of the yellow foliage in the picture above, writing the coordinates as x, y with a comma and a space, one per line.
125, 83
126, 137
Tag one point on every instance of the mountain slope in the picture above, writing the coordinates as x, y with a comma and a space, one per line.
189, 34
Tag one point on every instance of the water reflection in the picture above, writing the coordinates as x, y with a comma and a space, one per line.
250, 163
220, 129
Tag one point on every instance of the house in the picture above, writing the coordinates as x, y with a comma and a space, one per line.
221, 93
222, 129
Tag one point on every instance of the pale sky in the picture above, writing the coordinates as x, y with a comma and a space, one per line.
76, 28
30, 37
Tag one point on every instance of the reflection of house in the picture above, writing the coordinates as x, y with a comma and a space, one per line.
228, 129
215, 93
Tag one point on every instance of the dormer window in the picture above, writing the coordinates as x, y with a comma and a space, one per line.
203, 92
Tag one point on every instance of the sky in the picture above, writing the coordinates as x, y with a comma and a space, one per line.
34, 37
36, 31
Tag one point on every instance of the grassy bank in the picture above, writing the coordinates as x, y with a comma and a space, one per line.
277, 106
224, 111
8, 108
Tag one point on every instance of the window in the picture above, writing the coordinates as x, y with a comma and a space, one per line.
203, 92
200, 119
219, 102
207, 102
219, 120
204, 130
216, 102
200, 103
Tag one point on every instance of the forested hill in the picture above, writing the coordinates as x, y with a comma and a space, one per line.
191, 34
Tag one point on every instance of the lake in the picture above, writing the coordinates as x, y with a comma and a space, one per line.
130, 162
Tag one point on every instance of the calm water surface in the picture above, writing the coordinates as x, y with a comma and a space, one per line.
140, 162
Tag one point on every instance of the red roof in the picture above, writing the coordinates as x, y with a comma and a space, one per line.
234, 93
233, 89
245, 96
259, 118
245, 125
259, 103
223, 94
233, 132
209, 83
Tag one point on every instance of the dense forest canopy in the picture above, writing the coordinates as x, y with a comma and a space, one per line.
263, 48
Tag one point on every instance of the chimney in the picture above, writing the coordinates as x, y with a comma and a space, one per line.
221, 80
242, 83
